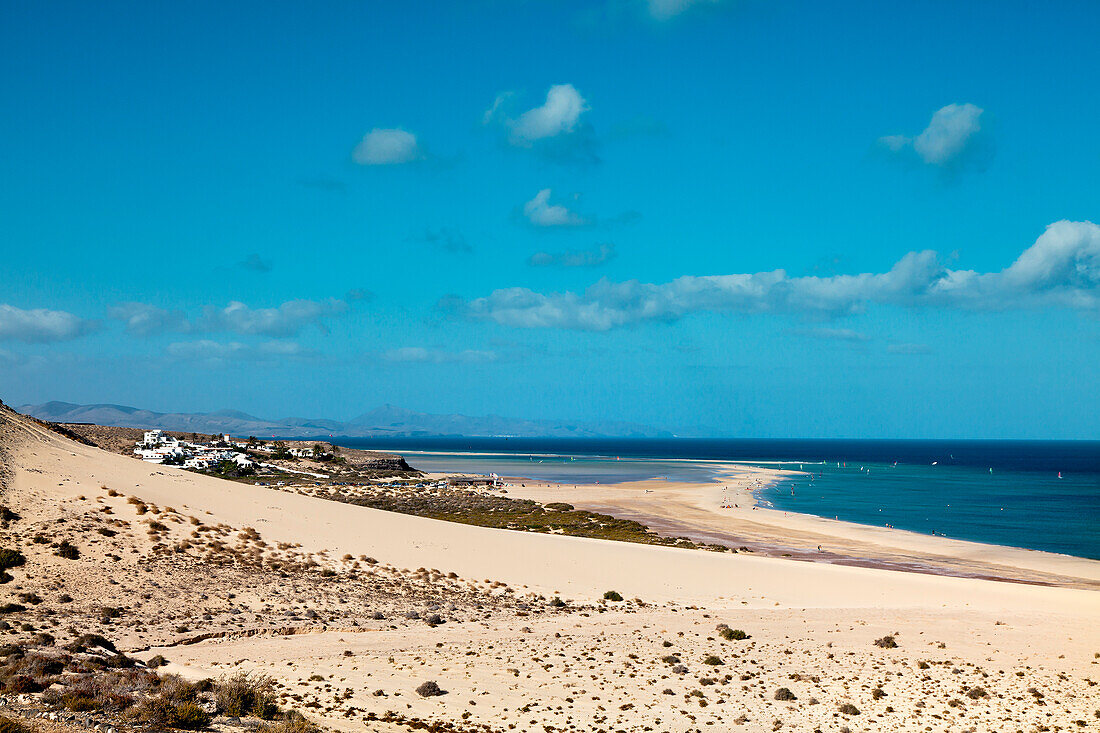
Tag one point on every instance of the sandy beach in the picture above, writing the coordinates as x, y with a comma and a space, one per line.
330, 599
725, 511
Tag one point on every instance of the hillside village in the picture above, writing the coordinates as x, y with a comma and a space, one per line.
156, 446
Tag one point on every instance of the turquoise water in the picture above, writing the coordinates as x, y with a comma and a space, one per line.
1000, 492
1029, 509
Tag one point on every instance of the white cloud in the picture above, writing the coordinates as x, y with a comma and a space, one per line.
418, 354
40, 325
1062, 269
558, 115
285, 320
387, 147
144, 319
540, 212
215, 353
594, 257
952, 130
665, 9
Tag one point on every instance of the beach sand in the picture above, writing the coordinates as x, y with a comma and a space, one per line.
971, 654
724, 511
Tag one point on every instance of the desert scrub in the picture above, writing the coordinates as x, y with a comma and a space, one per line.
8, 725
161, 712
612, 595
524, 515
429, 689
848, 709
243, 694
733, 634
67, 550
292, 722
886, 642
11, 558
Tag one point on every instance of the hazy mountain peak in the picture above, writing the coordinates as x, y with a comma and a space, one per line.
386, 420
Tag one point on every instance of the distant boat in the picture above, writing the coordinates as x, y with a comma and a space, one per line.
934, 462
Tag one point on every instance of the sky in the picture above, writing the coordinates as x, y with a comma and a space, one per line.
766, 218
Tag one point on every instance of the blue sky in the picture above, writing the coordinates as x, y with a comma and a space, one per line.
853, 219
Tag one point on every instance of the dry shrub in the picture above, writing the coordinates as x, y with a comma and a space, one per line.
67, 550
292, 723
244, 694
10, 558
8, 725
429, 689
160, 712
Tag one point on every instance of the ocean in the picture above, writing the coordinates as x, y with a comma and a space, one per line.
1041, 495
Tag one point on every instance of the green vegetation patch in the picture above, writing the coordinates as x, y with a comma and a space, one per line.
523, 515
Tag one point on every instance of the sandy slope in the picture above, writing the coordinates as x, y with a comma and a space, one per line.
811, 624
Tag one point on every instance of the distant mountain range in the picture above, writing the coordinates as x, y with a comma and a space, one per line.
383, 421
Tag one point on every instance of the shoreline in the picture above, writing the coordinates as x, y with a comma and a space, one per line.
695, 510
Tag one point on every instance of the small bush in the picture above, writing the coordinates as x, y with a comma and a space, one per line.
292, 723
68, 551
85, 641
878, 693
11, 558
849, 709
557, 602
157, 661
79, 702
429, 689
733, 634
612, 595
242, 694
783, 694
976, 692
7, 725
160, 712
886, 642
22, 684
713, 660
